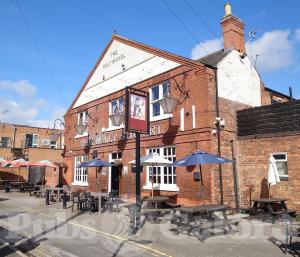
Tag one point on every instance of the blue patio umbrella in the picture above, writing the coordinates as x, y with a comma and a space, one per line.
199, 158
94, 163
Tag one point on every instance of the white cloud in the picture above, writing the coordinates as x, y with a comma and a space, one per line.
21, 87
206, 47
25, 107
275, 49
297, 35
56, 113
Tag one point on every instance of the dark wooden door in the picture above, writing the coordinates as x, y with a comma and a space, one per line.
115, 176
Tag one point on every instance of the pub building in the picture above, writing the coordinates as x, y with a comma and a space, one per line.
205, 94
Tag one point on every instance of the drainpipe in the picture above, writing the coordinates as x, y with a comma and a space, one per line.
15, 129
235, 178
218, 129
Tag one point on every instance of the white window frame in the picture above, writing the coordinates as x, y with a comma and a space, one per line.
110, 126
161, 96
35, 140
80, 174
162, 185
53, 145
282, 160
84, 121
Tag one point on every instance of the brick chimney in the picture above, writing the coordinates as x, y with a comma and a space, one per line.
233, 30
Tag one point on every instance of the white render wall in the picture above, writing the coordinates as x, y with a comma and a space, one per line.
238, 80
110, 77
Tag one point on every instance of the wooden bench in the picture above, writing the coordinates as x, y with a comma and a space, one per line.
154, 214
173, 206
276, 215
201, 228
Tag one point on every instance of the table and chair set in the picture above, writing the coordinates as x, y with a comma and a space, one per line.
194, 220
21, 186
276, 209
271, 208
96, 201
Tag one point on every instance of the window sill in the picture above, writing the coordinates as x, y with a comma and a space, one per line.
161, 117
83, 135
114, 128
78, 183
285, 178
173, 188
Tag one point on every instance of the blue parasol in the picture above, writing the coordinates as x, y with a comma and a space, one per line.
94, 163
199, 158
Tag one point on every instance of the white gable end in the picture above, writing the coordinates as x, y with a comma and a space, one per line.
238, 80
122, 66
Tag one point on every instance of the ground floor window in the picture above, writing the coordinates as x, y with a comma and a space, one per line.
282, 164
80, 174
164, 176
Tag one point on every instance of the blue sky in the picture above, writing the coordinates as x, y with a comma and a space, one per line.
72, 34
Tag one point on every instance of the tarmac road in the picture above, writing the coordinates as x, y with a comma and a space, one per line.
42, 235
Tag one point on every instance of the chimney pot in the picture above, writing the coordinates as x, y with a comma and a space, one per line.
227, 8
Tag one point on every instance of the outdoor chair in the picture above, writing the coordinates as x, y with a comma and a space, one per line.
42, 191
292, 230
66, 189
76, 200
92, 204
112, 200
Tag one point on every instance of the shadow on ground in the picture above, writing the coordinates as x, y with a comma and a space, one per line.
293, 250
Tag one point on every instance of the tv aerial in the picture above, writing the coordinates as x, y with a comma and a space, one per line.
253, 32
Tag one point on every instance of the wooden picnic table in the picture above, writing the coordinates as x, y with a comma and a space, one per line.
271, 206
155, 201
196, 219
19, 185
155, 207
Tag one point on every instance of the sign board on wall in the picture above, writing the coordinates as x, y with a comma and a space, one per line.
137, 111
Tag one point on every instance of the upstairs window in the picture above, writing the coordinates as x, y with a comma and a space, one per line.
5, 142
282, 164
31, 140
53, 144
157, 93
117, 105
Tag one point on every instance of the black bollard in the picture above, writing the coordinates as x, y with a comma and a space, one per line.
48, 197
64, 200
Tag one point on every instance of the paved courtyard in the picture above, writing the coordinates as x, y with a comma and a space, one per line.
29, 226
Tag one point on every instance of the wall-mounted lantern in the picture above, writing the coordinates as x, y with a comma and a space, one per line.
81, 128
55, 133
169, 102
82, 125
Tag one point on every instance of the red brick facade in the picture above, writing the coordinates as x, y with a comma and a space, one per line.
253, 156
41, 150
198, 133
